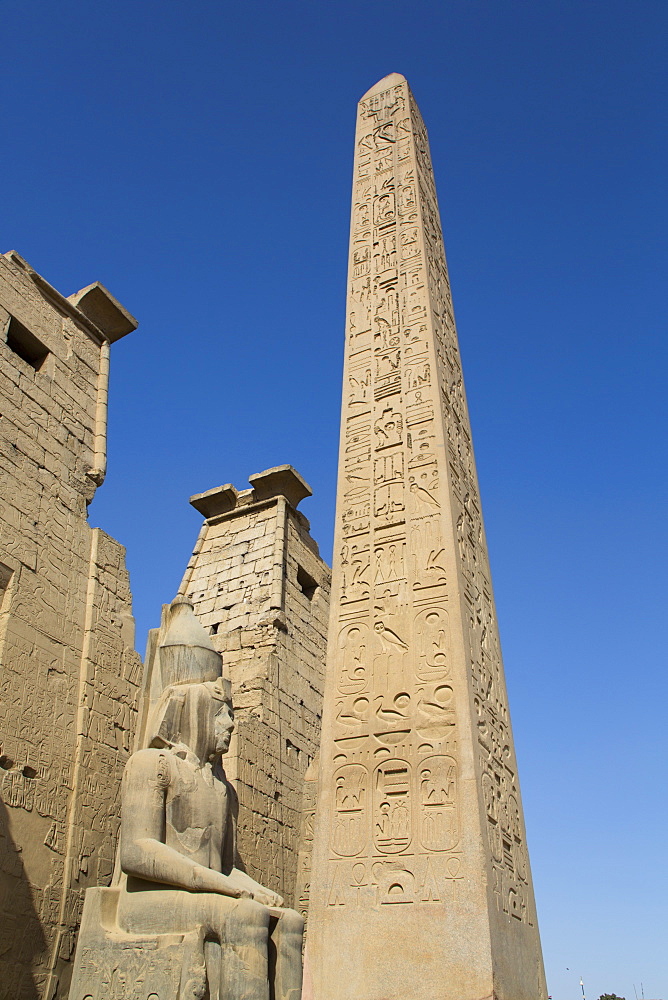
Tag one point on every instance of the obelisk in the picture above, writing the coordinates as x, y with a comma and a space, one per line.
420, 886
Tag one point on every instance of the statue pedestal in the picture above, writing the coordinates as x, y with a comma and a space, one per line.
113, 965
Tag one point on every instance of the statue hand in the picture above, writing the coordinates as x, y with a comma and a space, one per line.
267, 897
208, 880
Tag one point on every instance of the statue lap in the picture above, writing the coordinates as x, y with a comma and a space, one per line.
150, 944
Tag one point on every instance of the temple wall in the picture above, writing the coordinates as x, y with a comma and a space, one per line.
260, 587
69, 676
68, 670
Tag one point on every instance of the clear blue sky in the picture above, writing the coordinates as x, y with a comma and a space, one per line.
195, 157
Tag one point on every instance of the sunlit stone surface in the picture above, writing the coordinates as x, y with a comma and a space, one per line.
420, 882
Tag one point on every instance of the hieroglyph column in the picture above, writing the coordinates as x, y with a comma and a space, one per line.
420, 884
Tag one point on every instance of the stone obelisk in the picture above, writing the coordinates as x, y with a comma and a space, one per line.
420, 886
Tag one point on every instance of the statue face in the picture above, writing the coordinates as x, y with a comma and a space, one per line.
200, 716
223, 726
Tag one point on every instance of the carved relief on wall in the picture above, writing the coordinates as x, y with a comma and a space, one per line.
439, 826
432, 630
354, 658
351, 790
436, 711
392, 806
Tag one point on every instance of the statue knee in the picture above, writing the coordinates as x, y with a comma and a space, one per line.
292, 922
251, 913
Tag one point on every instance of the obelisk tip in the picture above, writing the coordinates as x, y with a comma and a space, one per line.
391, 80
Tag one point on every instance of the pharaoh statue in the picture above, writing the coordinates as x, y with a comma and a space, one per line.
181, 921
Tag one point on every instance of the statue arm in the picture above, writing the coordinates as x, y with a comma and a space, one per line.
237, 876
245, 883
143, 851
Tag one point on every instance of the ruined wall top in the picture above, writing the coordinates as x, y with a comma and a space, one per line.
93, 307
281, 481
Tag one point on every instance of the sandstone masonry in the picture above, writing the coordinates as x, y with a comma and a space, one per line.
68, 671
260, 588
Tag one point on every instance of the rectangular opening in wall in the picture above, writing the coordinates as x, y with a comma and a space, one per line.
306, 582
24, 343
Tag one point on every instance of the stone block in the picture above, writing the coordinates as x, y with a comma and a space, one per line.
111, 963
283, 480
214, 502
105, 311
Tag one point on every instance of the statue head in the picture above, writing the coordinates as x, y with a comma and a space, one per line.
198, 716
195, 707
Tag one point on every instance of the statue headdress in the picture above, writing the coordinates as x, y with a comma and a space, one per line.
181, 659
186, 653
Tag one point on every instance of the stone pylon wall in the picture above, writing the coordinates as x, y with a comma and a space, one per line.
261, 589
420, 876
68, 671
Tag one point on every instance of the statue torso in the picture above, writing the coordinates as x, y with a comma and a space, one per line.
196, 807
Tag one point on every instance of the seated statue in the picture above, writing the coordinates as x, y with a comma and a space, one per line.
177, 843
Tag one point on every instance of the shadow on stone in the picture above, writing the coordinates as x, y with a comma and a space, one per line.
22, 936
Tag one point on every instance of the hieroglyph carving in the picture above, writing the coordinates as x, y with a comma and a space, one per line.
413, 637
